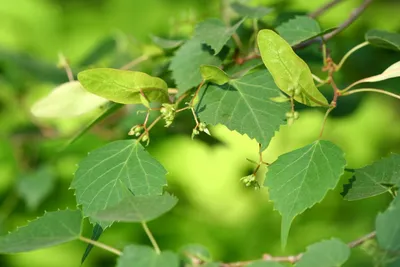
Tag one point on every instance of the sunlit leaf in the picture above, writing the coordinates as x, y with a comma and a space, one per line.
388, 227
142, 256
244, 105
328, 253
104, 176
375, 179
123, 86
383, 39
214, 74
301, 178
67, 100
299, 29
53, 228
251, 12
291, 74
138, 208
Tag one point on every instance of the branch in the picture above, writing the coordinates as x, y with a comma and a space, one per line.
361, 240
371, 90
353, 16
324, 8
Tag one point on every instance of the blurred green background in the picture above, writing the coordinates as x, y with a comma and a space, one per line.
215, 208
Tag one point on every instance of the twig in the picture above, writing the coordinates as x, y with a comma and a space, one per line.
324, 8
353, 16
371, 90
135, 62
101, 245
351, 51
361, 240
324, 121
64, 63
151, 237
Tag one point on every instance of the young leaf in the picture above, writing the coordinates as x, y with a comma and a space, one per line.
264, 264
251, 12
213, 74
328, 253
104, 175
185, 65
215, 33
301, 178
53, 228
67, 100
97, 231
392, 72
291, 74
384, 39
34, 188
388, 227
166, 43
375, 179
142, 256
299, 29
138, 208
244, 105
123, 86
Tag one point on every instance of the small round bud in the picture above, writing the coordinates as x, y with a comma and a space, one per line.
296, 115
297, 91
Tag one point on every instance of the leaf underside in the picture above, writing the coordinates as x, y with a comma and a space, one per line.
383, 39
142, 256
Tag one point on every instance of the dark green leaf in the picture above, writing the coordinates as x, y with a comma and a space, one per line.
166, 43
251, 12
141, 256
384, 39
53, 228
375, 179
388, 227
245, 105
138, 208
123, 86
213, 74
291, 74
328, 253
299, 29
97, 231
301, 178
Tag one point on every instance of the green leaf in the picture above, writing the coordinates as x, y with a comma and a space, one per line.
215, 33
166, 43
103, 177
301, 178
97, 231
251, 12
299, 29
194, 250
185, 65
123, 86
264, 264
291, 74
67, 100
328, 253
388, 227
53, 228
244, 105
375, 179
213, 74
142, 256
384, 39
34, 188
138, 208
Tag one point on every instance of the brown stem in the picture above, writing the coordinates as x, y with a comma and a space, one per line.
361, 240
324, 8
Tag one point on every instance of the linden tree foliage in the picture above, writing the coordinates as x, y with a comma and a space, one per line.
238, 71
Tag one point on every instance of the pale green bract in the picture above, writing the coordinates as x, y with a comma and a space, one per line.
213, 74
299, 29
124, 86
388, 227
301, 178
291, 74
142, 256
53, 228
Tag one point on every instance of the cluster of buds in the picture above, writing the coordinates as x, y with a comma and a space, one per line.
294, 92
168, 112
250, 181
137, 131
202, 127
292, 116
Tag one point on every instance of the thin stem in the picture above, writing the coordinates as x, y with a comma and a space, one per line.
135, 62
195, 117
354, 49
324, 121
361, 240
380, 91
197, 92
315, 100
149, 128
65, 65
324, 8
151, 237
324, 53
172, 91
101, 245
318, 79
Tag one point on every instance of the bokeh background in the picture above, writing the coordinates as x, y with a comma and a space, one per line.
215, 208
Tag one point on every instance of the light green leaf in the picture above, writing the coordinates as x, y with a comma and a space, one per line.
142, 256
328, 253
52, 229
185, 65
251, 12
375, 179
123, 86
244, 105
264, 264
34, 188
138, 208
384, 39
299, 29
213, 74
67, 100
291, 74
215, 33
103, 177
301, 178
166, 43
388, 227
